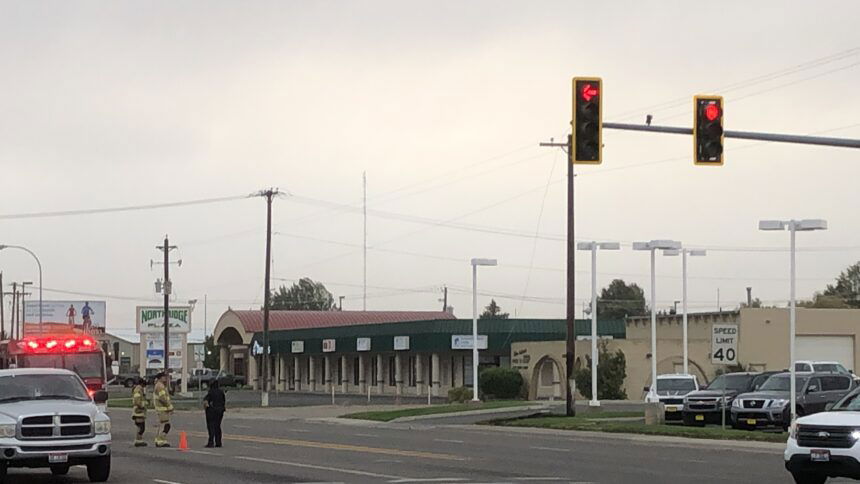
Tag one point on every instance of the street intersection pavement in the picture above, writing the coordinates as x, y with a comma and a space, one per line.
279, 445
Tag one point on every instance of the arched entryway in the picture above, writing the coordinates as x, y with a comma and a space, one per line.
546, 380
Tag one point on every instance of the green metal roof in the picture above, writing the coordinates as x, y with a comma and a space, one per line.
435, 335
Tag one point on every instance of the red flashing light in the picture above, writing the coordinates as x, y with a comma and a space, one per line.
91, 393
712, 112
51, 344
88, 342
70, 344
589, 92
32, 345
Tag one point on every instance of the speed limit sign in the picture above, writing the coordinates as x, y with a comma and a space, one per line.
724, 344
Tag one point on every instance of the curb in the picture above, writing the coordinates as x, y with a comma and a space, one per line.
467, 413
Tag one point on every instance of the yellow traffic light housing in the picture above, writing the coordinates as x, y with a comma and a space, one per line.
708, 130
587, 123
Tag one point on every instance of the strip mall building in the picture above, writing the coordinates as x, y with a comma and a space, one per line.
413, 352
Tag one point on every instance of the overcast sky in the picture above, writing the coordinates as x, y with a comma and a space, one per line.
443, 104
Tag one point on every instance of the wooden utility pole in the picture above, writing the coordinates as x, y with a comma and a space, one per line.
2, 309
264, 397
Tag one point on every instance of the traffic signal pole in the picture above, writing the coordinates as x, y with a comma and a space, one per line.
772, 137
570, 352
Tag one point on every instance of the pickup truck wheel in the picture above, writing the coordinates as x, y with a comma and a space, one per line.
2, 472
60, 470
98, 469
808, 478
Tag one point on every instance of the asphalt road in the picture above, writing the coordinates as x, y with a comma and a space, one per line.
260, 449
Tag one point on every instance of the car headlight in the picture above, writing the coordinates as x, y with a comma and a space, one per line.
778, 403
102, 426
792, 430
7, 430
736, 403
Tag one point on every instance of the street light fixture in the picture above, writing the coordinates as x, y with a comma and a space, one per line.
793, 226
684, 253
38, 263
593, 247
475, 263
653, 246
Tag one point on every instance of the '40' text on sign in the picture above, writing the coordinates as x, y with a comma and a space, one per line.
724, 344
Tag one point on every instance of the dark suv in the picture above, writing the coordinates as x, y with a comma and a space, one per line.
769, 405
709, 404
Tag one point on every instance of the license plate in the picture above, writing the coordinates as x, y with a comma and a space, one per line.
819, 455
750, 421
671, 409
700, 418
58, 458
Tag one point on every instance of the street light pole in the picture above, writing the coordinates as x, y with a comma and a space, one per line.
38, 263
652, 247
684, 253
595, 355
475, 357
793, 226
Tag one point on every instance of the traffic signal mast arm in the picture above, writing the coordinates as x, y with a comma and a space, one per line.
773, 137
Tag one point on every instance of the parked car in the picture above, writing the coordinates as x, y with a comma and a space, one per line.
203, 377
670, 390
127, 379
710, 404
806, 366
824, 444
769, 406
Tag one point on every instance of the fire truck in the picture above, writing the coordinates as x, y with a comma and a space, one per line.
58, 346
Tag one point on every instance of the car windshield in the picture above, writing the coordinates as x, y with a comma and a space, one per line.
86, 365
802, 367
42, 387
675, 384
851, 403
737, 383
782, 383
830, 368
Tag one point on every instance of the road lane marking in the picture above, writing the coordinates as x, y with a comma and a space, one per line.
321, 468
159, 481
554, 449
333, 446
203, 452
367, 435
449, 441
436, 479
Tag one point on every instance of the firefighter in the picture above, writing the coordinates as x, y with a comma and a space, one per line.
138, 412
164, 409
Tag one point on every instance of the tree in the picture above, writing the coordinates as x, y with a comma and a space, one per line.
611, 373
304, 295
821, 301
847, 287
212, 357
493, 311
755, 303
619, 300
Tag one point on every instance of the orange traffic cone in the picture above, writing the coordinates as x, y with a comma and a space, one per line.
183, 441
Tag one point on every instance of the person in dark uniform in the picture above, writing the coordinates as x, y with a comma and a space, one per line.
214, 403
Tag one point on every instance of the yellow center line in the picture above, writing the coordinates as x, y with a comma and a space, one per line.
333, 446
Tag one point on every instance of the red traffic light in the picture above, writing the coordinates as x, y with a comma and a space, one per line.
712, 112
589, 92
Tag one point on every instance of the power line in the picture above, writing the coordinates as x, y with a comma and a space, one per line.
128, 208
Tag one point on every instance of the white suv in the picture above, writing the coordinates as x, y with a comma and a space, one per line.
670, 391
47, 419
826, 444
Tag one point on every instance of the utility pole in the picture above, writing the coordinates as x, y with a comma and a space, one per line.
22, 321
570, 340
167, 288
340, 303
14, 309
205, 316
364, 204
269, 194
445, 298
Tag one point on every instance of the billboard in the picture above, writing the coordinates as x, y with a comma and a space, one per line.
150, 319
88, 316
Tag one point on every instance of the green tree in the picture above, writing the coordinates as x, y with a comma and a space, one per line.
847, 287
821, 301
611, 373
304, 295
212, 357
619, 300
493, 311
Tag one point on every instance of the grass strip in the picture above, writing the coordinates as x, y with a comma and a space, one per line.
389, 415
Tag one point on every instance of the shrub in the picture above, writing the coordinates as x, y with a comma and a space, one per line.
501, 383
611, 372
459, 395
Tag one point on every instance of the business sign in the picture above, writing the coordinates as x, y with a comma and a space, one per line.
401, 343
328, 345
88, 316
154, 359
464, 342
724, 344
151, 319
297, 347
362, 344
156, 342
257, 349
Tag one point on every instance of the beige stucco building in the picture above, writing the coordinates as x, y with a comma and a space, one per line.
763, 344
